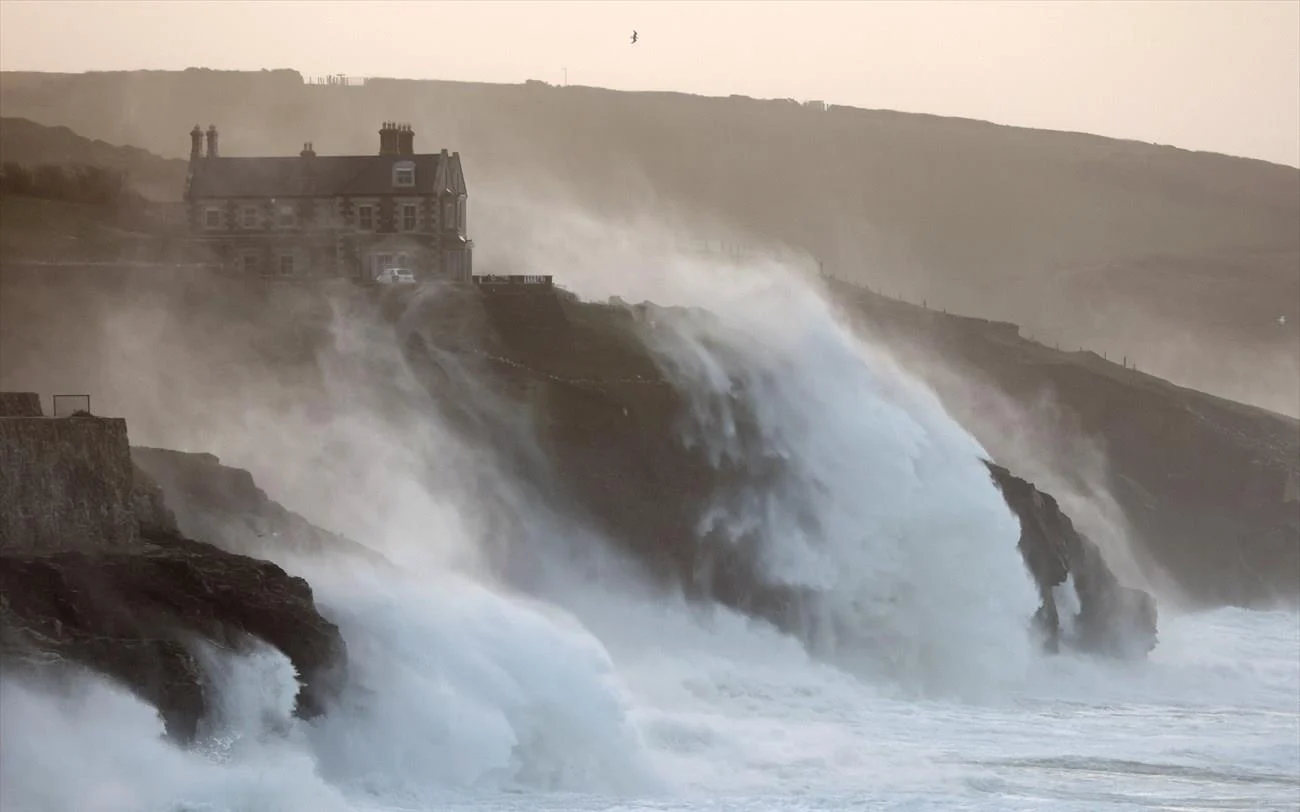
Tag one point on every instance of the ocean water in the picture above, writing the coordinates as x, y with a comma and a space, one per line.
913, 686
697, 713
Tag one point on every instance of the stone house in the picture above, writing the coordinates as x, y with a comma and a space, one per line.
323, 216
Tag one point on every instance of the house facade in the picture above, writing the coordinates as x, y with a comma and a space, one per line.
329, 216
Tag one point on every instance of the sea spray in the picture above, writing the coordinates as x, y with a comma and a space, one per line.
456, 684
861, 491
93, 747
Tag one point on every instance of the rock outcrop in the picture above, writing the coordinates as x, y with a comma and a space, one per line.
204, 499
1111, 618
133, 616
609, 422
94, 574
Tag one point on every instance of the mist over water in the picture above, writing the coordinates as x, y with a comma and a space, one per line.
911, 682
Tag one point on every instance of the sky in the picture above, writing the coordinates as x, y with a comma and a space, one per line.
1217, 76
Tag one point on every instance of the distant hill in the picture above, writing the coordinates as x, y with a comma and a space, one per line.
1189, 262
30, 144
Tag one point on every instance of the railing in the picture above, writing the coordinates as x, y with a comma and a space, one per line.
72, 404
544, 281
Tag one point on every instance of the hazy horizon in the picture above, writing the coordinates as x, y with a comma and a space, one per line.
1209, 76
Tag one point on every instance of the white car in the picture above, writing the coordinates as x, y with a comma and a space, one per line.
396, 276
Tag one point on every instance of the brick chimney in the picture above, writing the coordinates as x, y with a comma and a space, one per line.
212, 141
388, 137
406, 140
196, 143
308, 151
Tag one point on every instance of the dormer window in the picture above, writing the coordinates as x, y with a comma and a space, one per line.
404, 174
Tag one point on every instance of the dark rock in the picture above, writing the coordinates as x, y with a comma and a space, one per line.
1112, 618
132, 616
150, 506
225, 507
610, 422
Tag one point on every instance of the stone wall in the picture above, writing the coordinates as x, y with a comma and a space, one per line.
20, 404
65, 484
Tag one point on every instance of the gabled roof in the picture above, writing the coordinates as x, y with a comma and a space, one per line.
326, 175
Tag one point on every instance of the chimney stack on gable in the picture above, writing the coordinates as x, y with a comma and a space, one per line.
406, 140
212, 141
308, 151
196, 143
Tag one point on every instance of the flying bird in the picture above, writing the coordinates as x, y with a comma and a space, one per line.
634, 37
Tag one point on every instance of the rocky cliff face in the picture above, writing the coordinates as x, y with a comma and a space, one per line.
133, 616
1111, 618
225, 506
609, 423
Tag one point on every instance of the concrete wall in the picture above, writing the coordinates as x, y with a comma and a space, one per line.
65, 483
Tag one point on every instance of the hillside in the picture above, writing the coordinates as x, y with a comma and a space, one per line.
1184, 260
30, 144
1205, 490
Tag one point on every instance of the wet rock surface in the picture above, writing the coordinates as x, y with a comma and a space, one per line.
136, 616
1112, 618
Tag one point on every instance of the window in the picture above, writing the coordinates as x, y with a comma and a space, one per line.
404, 174
401, 262
449, 215
286, 265
286, 216
408, 217
212, 218
249, 217
460, 215
365, 218
252, 263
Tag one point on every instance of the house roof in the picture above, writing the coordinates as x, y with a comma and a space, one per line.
323, 175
